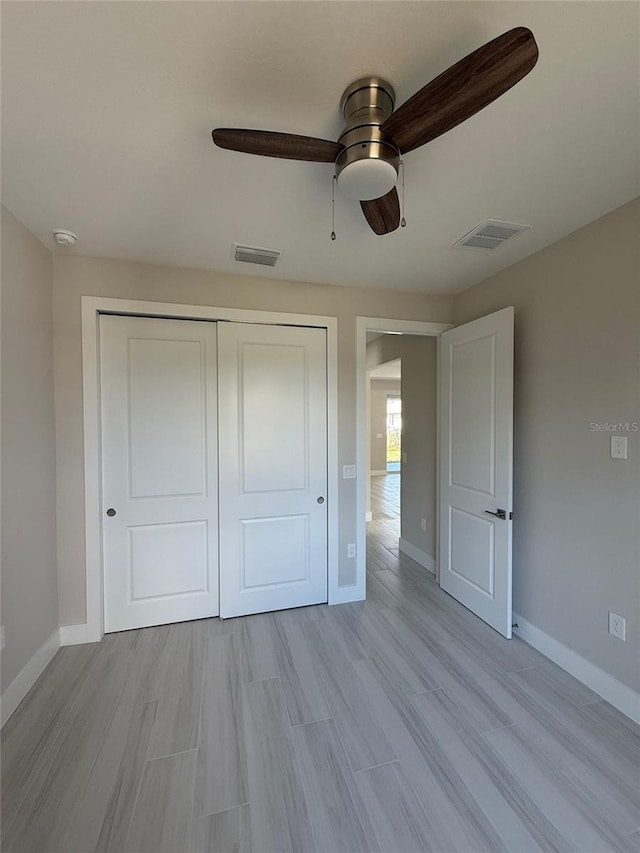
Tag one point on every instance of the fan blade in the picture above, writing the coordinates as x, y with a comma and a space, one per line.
462, 90
382, 214
286, 145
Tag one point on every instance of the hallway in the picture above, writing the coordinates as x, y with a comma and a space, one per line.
383, 530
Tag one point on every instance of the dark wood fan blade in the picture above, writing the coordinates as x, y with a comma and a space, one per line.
463, 90
289, 146
383, 214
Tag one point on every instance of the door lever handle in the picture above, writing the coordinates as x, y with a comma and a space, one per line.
501, 513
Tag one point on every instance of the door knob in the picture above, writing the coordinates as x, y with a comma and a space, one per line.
111, 512
320, 500
501, 513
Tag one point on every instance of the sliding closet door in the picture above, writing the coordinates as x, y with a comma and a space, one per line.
159, 470
273, 467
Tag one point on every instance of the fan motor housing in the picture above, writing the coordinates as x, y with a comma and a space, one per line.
369, 98
366, 104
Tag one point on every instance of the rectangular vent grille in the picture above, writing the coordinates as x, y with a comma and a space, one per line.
253, 255
490, 234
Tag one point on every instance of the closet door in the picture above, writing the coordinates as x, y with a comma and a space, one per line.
159, 470
273, 467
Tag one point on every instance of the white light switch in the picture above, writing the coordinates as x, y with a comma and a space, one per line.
404, 457
378, 435
348, 472
618, 446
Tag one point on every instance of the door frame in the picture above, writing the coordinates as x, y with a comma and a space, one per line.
92, 308
383, 325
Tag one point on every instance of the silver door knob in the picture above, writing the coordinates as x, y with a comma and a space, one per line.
320, 500
111, 512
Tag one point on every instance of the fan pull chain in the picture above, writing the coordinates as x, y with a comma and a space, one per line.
333, 208
403, 221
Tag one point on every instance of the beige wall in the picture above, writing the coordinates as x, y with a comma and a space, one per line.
576, 541
380, 390
577, 363
29, 581
418, 392
75, 276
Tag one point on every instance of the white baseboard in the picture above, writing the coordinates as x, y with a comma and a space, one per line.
368, 516
378, 473
615, 692
417, 554
27, 677
74, 635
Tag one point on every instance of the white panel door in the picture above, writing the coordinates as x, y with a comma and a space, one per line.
159, 470
273, 467
476, 466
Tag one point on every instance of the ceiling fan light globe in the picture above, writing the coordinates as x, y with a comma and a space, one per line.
363, 180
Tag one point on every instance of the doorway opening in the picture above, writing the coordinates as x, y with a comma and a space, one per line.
473, 406
374, 333
385, 438
402, 484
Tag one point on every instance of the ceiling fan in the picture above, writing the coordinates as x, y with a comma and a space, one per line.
368, 151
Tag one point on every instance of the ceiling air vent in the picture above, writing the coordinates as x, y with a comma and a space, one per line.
253, 255
490, 234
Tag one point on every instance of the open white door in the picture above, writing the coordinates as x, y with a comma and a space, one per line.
476, 466
273, 467
159, 470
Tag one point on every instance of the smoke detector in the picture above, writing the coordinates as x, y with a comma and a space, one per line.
64, 237
490, 234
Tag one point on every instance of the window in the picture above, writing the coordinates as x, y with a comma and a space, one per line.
394, 429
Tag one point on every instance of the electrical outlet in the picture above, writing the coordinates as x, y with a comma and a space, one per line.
351, 550
348, 472
404, 457
617, 626
423, 523
618, 446
1, 637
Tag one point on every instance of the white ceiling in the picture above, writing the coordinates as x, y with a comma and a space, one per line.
107, 109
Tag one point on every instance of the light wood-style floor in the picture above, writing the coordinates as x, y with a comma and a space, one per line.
385, 504
398, 724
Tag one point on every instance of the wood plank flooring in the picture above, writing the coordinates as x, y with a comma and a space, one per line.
385, 501
394, 725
